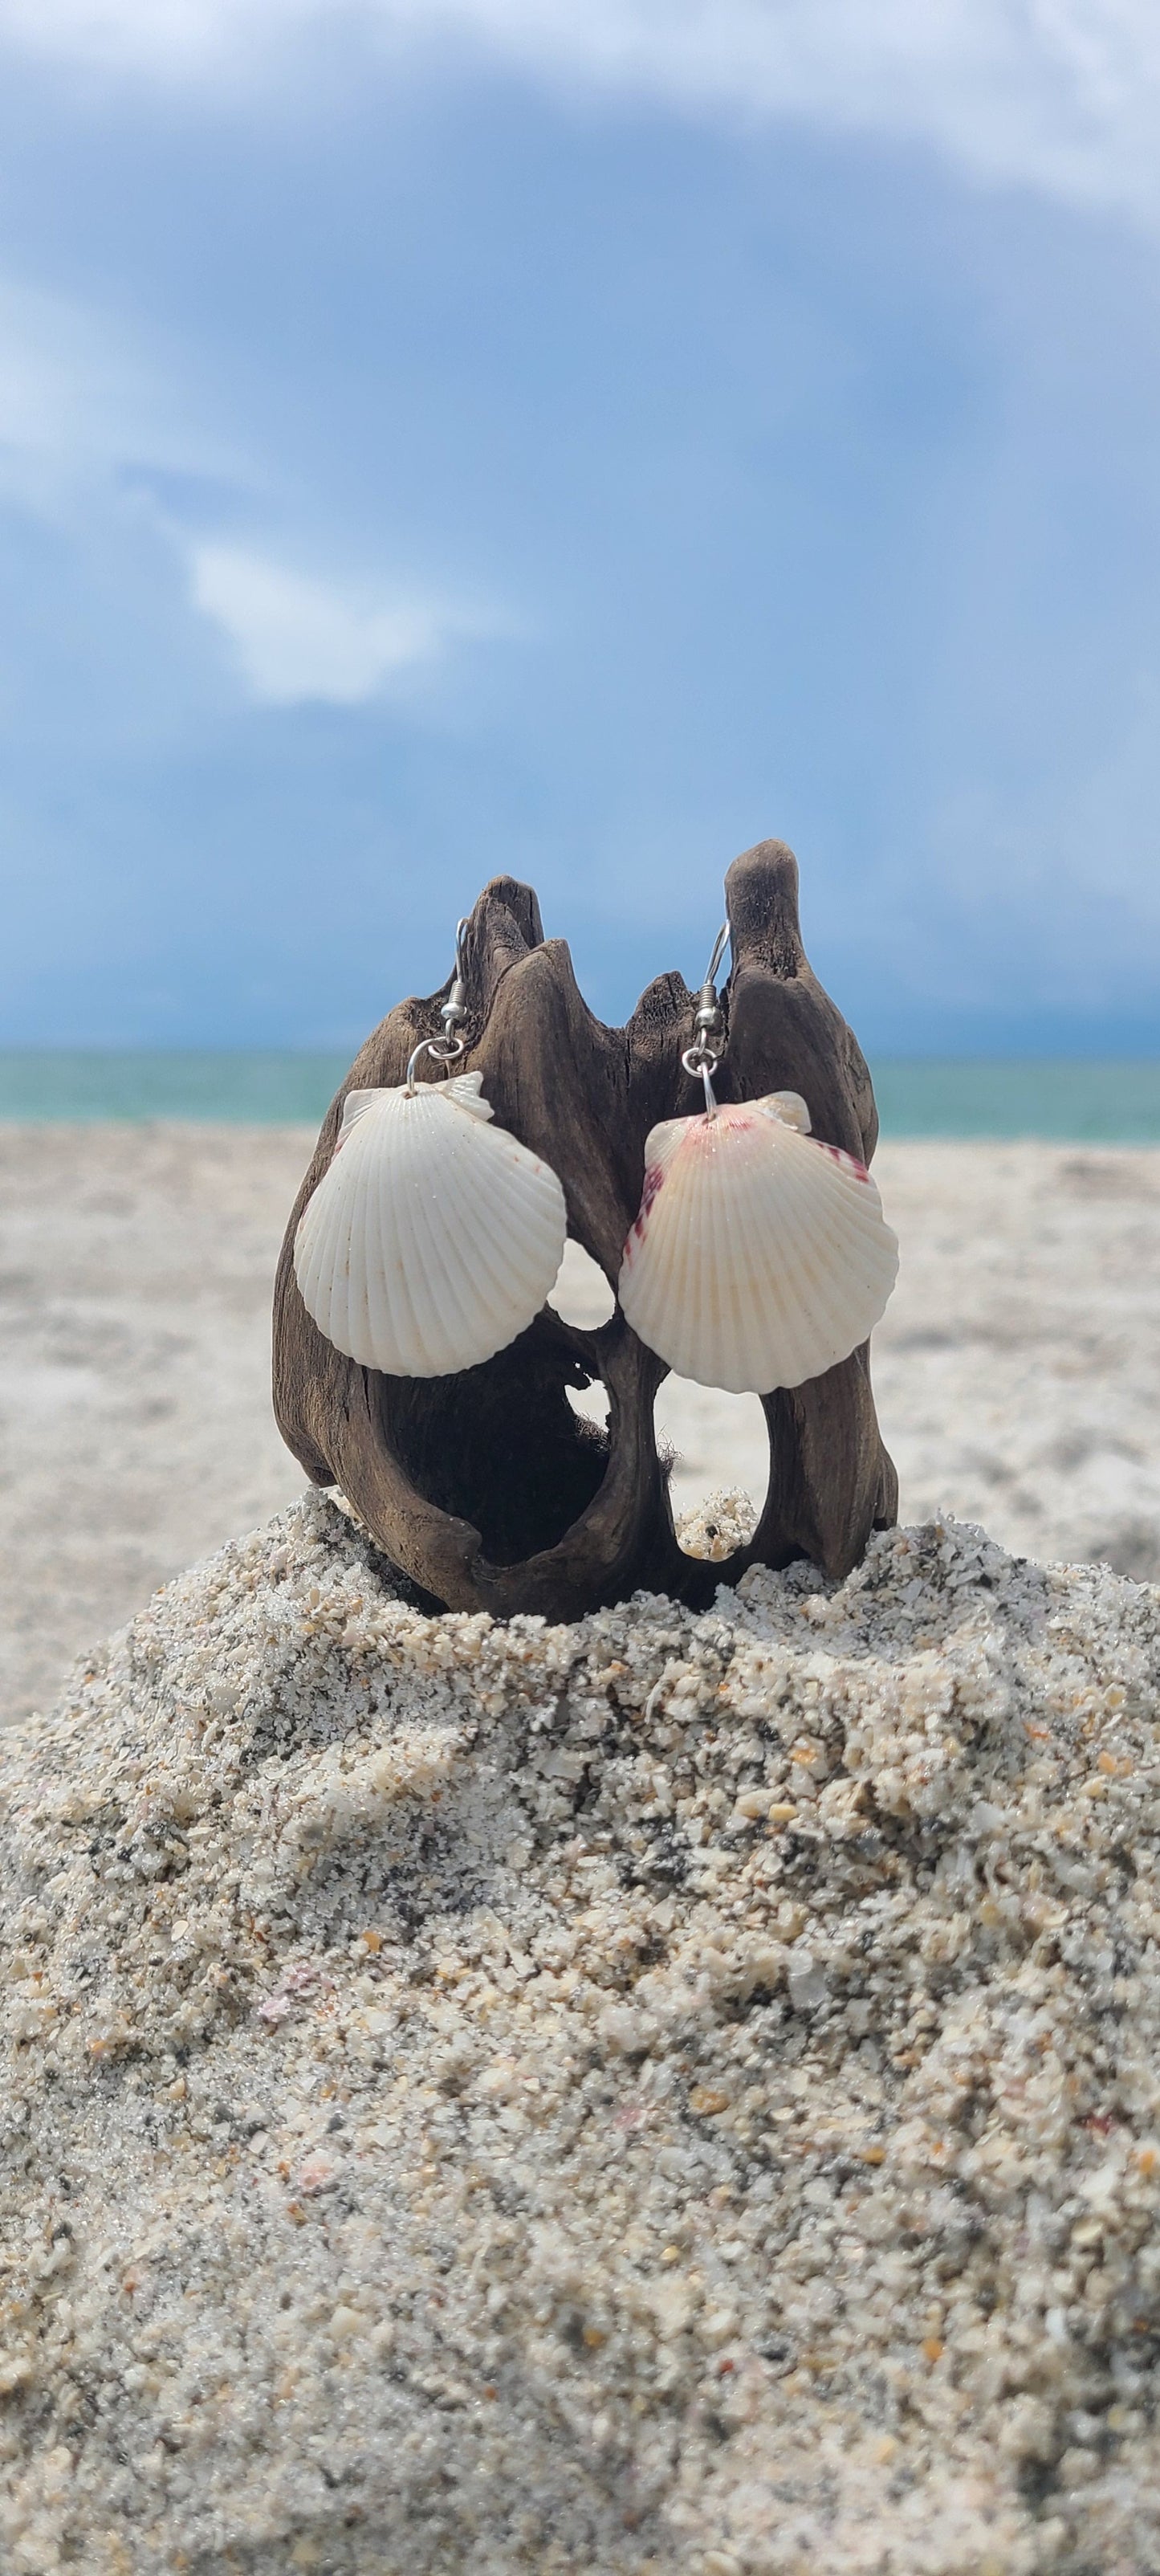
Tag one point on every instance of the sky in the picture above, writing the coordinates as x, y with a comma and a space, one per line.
580, 438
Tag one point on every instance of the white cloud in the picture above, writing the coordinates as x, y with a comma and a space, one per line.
92, 427
1059, 95
296, 638
166, 38
81, 402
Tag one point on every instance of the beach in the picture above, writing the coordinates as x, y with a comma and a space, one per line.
1017, 1369
672, 2094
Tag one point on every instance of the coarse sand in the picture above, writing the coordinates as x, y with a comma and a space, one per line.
672, 2093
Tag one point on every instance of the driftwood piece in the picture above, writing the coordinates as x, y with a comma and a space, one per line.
485, 1488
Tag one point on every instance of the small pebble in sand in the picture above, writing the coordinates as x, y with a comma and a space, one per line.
676, 2095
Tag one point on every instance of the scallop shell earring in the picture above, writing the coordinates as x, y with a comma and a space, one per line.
760, 1257
434, 1237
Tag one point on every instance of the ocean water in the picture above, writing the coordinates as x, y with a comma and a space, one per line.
262, 1087
1090, 1101
1097, 1101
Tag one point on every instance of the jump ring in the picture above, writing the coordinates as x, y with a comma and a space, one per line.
443, 1051
702, 1060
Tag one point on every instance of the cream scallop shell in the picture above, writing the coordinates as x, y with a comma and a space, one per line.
759, 1257
433, 1238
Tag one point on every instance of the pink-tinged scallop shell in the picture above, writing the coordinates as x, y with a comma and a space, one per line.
760, 1257
433, 1238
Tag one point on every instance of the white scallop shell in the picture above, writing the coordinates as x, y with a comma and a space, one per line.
760, 1257
433, 1238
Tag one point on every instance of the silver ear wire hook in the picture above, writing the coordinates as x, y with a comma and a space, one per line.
450, 1046
708, 1046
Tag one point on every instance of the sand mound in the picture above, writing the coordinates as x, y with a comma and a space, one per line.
672, 2093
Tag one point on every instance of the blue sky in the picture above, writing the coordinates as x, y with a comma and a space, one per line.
581, 440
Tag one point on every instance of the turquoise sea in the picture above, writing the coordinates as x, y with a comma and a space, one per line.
1087, 1100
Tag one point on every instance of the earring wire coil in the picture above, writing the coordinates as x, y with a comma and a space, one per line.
708, 1046
447, 1049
